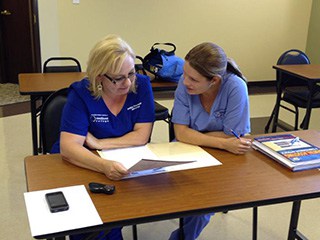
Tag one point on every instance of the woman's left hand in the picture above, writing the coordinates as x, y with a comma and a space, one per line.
92, 142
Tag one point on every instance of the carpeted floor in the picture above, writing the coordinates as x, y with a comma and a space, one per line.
10, 94
11, 102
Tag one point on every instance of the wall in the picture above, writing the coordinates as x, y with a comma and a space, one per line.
252, 32
313, 46
49, 29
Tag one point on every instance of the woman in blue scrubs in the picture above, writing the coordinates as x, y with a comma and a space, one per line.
111, 108
211, 109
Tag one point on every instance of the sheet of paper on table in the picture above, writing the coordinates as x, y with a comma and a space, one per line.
80, 214
168, 157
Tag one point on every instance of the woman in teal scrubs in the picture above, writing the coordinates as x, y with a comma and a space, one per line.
211, 109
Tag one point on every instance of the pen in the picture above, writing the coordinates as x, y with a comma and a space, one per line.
293, 141
235, 134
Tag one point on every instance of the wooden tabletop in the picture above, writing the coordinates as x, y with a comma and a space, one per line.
46, 83
241, 181
308, 71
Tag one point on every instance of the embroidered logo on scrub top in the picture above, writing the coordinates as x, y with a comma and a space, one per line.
102, 118
219, 113
134, 107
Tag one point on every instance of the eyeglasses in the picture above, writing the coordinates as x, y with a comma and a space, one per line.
131, 76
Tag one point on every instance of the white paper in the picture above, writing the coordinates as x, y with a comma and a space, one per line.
82, 213
173, 151
128, 156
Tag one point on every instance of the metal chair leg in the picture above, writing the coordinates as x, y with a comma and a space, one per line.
296, 118
134, 232
266, 128
181, 232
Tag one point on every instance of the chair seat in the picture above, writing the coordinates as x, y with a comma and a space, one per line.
161, 112
299, 98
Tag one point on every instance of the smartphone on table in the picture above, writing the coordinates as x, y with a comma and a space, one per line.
57, 202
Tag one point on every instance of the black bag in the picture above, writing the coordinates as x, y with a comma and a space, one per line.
164, 64
139, 66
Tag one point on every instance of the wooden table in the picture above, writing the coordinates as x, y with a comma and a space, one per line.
306, 72
242, 181
39, 85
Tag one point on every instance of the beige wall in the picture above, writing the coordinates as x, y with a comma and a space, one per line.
252, 32
313, 46
49, 29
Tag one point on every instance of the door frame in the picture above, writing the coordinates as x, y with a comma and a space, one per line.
35, 35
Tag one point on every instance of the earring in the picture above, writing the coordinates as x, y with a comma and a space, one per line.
99, 87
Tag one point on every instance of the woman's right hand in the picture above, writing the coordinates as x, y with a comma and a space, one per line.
114, 170
237, 146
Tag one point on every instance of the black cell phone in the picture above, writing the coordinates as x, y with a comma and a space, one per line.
57, 202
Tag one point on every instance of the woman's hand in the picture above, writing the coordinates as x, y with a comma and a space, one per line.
114, 170
237, 146
92, 142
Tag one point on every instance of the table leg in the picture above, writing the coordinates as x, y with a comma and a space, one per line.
306, 120
33, 106
255, 223
293, 232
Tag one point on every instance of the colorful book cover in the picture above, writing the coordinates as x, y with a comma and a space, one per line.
291, 147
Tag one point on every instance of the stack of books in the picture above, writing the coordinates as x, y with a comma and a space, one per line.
289, 150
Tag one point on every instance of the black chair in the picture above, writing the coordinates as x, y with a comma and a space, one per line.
55, 65
293, 91
50, 65
50, 117
161, 112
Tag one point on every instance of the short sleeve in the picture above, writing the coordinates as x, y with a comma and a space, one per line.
237, 116
75, 115
145, 95
181, 108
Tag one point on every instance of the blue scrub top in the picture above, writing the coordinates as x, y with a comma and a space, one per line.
83, 113
230, 109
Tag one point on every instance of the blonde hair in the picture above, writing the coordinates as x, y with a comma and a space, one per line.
107, 56
210, 60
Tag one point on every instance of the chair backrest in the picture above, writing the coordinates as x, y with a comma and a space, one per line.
292, 56
50, 65
50, 118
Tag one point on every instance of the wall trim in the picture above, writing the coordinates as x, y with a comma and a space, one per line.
262, 87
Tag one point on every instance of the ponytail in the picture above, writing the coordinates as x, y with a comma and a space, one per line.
210, 60
233, 67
